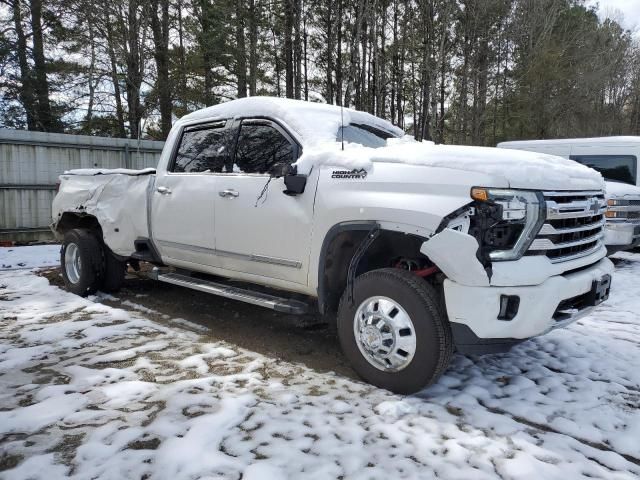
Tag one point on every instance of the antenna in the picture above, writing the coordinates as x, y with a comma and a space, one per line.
342, 124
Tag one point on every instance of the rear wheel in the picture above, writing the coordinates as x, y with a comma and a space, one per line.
81, 259
114, 272
395, 333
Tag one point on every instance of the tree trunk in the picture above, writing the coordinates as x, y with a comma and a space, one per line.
160, 29
92, 86
381, 66
134, 69
305, 41
401, 63
207, 56
182, 61
117, 94
297, 46
288, 48
241, 50
45, 119
480, 99
276, 61
26, 85
339, 55
330, 52
395, 57
253, 46
354, 56
426, 73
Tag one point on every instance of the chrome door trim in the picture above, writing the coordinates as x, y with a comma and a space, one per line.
254, 258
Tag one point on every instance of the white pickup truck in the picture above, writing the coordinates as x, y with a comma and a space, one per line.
616, 158
417, 249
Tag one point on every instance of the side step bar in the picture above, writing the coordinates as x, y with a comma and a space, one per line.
278, 304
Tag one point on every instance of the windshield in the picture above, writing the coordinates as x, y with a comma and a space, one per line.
617, 168
365, 135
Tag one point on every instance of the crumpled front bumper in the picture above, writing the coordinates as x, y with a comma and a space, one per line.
478, 307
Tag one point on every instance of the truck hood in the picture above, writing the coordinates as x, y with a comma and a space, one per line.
516, 168
621, 190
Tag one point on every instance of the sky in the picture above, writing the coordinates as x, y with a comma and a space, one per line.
627, 12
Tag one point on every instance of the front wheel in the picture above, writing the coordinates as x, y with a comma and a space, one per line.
395, 334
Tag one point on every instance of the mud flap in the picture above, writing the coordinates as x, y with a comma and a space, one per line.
454, 253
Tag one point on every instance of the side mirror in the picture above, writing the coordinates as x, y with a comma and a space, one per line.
280, 170
294, 182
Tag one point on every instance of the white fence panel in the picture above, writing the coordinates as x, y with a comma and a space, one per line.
30, 163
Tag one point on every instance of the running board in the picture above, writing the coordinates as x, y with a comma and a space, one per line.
284, 305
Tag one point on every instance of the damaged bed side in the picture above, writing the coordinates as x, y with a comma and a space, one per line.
117, 199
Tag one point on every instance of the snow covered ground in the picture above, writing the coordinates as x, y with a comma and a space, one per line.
92, 391
16, 258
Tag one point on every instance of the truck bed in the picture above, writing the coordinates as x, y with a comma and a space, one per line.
118, 198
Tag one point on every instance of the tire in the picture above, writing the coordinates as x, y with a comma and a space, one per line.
398, 371
114, 272
83, 277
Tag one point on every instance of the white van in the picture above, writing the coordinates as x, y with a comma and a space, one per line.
616, 158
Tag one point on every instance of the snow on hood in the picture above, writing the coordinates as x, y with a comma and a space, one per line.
621, 189
314, 123
521, 169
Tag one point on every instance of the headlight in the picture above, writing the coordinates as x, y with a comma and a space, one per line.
613, 214
506, 221
622, 208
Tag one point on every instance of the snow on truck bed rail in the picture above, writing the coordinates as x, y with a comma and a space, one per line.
92, 391
110, 171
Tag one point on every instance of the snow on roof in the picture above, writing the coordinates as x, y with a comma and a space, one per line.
563, 141
522, 169
312, 122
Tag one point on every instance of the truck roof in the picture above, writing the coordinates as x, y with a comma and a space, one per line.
312, 122
619, 140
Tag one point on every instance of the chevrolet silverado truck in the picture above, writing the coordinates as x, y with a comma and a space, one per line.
415, 249
616, 159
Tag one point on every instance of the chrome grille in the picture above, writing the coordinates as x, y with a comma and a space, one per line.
574, 225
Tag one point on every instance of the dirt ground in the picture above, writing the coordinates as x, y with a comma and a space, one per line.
307, 339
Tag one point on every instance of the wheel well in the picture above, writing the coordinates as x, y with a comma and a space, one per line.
70, 220
338, 250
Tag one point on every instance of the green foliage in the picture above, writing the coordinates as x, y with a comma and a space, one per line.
461, 71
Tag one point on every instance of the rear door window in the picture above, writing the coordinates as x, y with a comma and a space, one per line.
203, 148
620, 168
262, 148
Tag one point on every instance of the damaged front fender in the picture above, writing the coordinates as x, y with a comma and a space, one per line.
455, 253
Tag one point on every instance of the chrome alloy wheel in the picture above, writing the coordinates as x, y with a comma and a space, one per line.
384, 334
72, 262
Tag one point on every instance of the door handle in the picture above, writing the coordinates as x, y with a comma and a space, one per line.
228, 193
163, 190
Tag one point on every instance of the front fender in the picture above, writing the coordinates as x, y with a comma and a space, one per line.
455, 253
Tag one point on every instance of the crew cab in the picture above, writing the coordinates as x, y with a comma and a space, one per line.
414, 249
616, 158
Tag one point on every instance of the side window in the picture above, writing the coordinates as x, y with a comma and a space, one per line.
203, 148
364, 135
621, 168
262, 148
